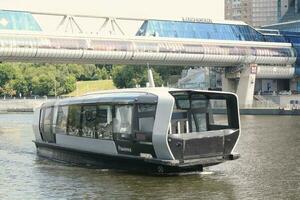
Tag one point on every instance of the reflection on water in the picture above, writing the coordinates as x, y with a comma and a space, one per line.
268, 169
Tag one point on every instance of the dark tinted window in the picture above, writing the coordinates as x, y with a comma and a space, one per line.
104, 122
61, 122
219, 114
183, 102
146, 116
89, 114
46, 122
97, 121
48, 117
74, 121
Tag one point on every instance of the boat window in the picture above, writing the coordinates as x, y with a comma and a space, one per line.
104, 122
146, 116
204, 112
92, 121
61, 122
179, 122
190, 114
146, 108
200, 123
74, 125
42, 114
199, 103
89, 121
199, 112
123, 120
146, 124
218, 112
46, 122
48, 117
183, 102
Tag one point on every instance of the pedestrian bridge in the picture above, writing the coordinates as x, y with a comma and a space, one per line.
25, 46
247, 54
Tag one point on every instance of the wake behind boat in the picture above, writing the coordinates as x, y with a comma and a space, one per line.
151, 130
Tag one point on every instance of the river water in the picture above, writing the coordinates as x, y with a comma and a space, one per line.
268, 169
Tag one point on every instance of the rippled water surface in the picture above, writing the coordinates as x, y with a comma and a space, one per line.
268, 169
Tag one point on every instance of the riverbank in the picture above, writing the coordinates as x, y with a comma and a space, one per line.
28, 105
20, 105
269, 111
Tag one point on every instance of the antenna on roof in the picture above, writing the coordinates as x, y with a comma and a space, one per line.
150, 77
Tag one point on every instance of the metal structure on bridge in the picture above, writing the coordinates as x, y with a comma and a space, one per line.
70, 23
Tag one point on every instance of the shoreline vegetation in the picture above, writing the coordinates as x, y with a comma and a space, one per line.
19, 80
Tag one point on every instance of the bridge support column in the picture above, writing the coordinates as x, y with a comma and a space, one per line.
245, 88
228, 85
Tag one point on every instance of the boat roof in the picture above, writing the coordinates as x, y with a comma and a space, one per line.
125, 96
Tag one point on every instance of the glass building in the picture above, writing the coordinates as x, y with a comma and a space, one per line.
290, 17
183, 29
214, 31
15, 20
219, 31
293, 26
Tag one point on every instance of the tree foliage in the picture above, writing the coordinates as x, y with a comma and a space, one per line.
23, 79
131, 76
7, 72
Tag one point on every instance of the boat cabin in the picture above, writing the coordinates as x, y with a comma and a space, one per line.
150, 123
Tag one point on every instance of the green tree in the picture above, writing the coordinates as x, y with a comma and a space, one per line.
107, 67
89, 72
130, 76
7, 90
70, 84
20, 85
101, 74
169, 74
45, 79
76, 70
156, 77
43, 85
7, 72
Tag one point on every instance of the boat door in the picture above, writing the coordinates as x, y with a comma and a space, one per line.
122, 128
132, 128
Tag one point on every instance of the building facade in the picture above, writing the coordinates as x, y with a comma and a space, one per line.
262, 12
290, 20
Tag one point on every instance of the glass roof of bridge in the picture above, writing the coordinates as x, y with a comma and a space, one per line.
15, 20
200, 30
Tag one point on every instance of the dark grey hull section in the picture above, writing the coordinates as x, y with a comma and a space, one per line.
210, 144
128, 163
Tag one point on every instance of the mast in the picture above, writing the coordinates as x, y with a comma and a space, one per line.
150, 77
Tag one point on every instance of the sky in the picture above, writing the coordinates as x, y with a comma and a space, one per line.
158, 9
